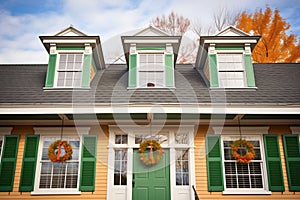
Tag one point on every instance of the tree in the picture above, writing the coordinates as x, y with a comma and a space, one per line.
176, 25
275, 45
224, 17
173, 24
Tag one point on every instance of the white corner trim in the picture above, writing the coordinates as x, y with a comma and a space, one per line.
5, 130
295, 129
58, 130
257, 130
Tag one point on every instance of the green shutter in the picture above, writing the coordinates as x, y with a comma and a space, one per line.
292, 159
213, 69
273, 161
214, 163
88, 163
249, 70
132, 71
29, 163
87, 61
51, 70
169, 70
8, 162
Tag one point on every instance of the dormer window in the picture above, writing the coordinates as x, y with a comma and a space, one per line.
151, 56
231, 70
224, 60
69, 72
151, 70
74, 59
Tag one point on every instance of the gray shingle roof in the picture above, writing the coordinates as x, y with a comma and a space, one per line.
276, 84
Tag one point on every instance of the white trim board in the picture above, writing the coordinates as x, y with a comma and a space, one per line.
193, 109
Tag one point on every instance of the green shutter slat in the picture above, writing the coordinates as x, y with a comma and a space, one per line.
87, 61
213, 69
292, 159
249, 70
214, 163
29, 163
8, 162
273, 161
132, 71
51, 70
88, 163
169, 70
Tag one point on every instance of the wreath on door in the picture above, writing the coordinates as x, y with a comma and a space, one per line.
248, 157
55, 154
155, 153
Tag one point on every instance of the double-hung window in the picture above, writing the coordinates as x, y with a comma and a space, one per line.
231, 70
59, 176
151, 70
240, 176
69, 71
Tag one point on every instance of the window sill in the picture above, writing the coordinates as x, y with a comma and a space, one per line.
234, 89
241, 192
56, 192
66, 88
151, 88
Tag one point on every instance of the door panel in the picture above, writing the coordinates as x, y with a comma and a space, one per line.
151, 182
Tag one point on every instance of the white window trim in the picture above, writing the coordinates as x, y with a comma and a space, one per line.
4, 131
175, 190
54, 132
242, 52
57, 64
265, 189
163, 52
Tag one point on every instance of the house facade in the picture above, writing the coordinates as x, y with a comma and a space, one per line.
150, 129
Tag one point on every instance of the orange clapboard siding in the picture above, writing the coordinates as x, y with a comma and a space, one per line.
101, 169
201, 171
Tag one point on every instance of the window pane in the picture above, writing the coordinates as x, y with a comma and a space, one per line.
181, 138
231, 181
120, 167
230, 168
244, 181
61, 79
256, 182
182, 167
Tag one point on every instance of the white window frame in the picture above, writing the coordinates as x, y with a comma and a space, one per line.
139, 53
59, 52
1, 147
263, 190
4, 131
177, 192
54, 132
237, 52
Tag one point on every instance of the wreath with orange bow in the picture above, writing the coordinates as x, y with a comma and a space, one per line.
54, 151
248, 157
155, 153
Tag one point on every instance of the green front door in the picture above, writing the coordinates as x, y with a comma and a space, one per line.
151, 182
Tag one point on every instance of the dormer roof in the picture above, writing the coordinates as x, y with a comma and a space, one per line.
151, 31
231, 31
70, 31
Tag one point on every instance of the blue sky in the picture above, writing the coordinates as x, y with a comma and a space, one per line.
22, 21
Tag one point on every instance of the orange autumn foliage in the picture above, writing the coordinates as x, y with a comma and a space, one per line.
275, 45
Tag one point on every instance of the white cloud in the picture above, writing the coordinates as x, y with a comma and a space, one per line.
19, 34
